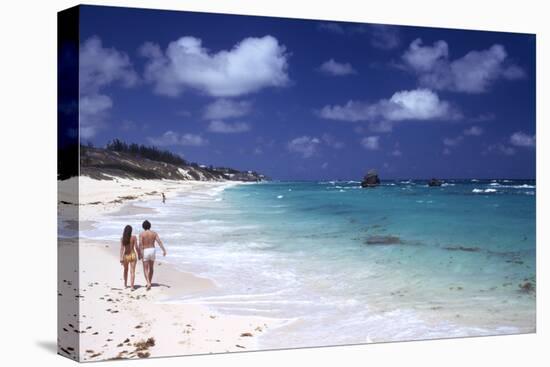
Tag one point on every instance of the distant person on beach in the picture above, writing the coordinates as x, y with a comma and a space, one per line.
128, 257
163, 198
147, 240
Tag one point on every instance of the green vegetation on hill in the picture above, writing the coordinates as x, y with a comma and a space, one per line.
144, 151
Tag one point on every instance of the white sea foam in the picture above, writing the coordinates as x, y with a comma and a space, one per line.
524, 186
486, 191
280, 196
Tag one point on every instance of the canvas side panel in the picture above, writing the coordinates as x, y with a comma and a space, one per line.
68, 330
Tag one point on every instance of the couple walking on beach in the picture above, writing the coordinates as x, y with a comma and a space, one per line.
131, 251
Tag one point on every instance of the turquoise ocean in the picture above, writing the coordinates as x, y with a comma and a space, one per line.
338, 264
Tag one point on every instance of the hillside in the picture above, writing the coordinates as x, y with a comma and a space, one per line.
104, 164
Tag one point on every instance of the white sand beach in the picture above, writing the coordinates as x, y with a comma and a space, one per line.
119, 323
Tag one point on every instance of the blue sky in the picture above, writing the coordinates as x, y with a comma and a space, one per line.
301, 99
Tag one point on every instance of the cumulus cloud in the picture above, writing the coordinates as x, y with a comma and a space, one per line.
305, 145
222, 127
335, 68
371, 142
473, 131
171, 138
475, 72
100, 67
521, 139
418, 104
251, 65
226, 108
424, 58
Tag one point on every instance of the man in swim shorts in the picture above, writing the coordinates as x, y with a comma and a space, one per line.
147, 240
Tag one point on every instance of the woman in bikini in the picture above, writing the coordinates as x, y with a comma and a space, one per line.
128, 255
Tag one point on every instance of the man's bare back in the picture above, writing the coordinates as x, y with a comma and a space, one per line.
147, 240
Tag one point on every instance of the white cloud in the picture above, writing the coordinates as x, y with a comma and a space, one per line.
506, 150
251, 65
385, 37
222, 127
100, 67
308, 146
472, 73
94, 110
521, 139
335, 68
473, 131
500, 149
396, 153
305, 145
371, 142
332, 141
425, 58
418, 104
453, 142
226, 108
171, 138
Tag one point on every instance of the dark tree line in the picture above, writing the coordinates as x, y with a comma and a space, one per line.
145, 151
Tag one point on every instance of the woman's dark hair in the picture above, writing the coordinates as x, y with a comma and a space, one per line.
146, 225
126, 235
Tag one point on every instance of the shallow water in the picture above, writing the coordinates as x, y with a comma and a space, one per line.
347, 265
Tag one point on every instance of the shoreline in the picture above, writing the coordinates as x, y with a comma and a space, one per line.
117, 323
435, 319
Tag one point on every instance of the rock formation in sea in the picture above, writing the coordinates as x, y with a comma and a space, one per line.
434, 182
371, 179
